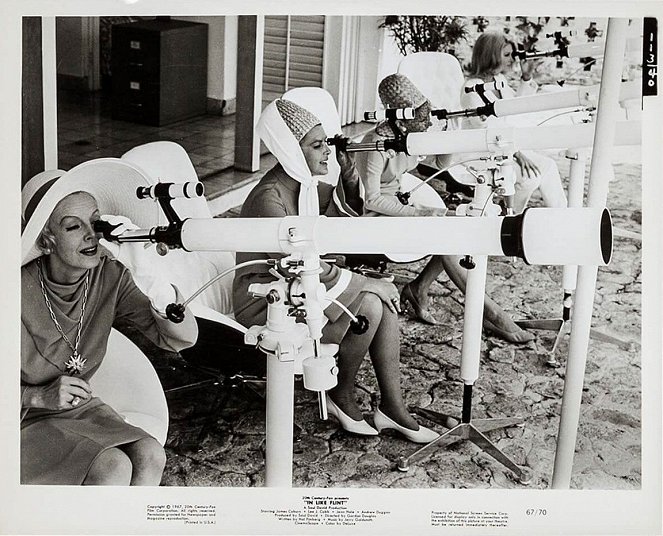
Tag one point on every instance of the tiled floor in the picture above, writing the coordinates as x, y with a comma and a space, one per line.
86, 131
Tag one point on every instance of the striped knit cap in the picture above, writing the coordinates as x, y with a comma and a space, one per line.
299, 120
398, 91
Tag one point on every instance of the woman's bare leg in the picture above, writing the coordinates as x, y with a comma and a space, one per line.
492, 312
148, 459
111, 468
385, 356
424, 280
352, 350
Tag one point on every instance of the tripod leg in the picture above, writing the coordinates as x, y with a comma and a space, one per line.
456, 434
486, 425
523, 474
443, 419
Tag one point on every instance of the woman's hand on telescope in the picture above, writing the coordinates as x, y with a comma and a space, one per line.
527, 167
386, 291
528, 68
342, 156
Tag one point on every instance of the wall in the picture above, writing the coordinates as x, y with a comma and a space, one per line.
222, 64
69, 46
222, 61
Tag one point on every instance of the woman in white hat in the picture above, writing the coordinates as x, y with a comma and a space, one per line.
382, 173
72, 293
296, 137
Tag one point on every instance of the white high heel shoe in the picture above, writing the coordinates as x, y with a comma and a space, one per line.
348, 423
422, 435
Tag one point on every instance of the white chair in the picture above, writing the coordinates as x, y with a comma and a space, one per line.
438, 76
127, 382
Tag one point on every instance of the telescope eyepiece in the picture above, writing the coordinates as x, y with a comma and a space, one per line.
104, 228
390, 113
171, 190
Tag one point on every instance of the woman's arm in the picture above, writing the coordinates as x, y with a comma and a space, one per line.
133, 306
371, 167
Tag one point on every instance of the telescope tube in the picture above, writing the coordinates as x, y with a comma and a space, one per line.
492, 139
539, 236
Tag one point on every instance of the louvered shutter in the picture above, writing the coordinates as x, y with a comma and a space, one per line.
292, 55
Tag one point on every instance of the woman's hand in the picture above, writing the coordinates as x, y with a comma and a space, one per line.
527, 166
386, 291
342, 156
528, 68
65, 392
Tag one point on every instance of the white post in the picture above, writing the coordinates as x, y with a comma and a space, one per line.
279, 417
50, 97
473, 320
576, 191
598, 192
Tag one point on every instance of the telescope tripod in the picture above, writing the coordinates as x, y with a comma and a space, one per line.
468, 429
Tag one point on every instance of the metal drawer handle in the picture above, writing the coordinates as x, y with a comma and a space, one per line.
135, 64
134, 44
134, 85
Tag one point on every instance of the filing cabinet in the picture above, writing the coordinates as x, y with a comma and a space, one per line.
159, 71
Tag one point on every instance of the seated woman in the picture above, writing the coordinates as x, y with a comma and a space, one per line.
296, 137
492, 58
382, 173
72, 294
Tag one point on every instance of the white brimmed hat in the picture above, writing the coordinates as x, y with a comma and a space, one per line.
111, 181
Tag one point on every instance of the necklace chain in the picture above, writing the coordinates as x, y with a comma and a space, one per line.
75, 363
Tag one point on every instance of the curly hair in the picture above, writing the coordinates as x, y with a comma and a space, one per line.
487, 52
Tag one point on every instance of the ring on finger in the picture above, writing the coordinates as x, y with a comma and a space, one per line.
75, 401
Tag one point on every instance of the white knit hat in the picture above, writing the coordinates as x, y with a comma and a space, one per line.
299, 120
398, 91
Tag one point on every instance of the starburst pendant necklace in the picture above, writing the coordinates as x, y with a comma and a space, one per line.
74, 365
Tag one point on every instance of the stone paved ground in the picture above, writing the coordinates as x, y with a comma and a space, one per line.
514, 381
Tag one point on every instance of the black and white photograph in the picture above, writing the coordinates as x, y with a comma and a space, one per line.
331, 270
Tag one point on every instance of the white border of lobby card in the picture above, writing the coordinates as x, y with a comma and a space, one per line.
78, 510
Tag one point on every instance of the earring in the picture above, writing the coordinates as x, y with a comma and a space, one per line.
46, 251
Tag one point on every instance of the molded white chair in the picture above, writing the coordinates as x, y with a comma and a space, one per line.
127, 382
439, 77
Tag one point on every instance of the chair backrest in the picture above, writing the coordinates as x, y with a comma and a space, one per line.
438, 76
319, 102
128, 383
166, 161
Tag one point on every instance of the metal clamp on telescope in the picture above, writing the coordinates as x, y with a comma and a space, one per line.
165, 237
398, 143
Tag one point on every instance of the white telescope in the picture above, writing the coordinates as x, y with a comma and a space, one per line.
539, 235
507, 138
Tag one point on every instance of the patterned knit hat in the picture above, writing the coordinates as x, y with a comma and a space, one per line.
398, 91
299, 120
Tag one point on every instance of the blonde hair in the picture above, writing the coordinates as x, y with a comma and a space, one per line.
487, 53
